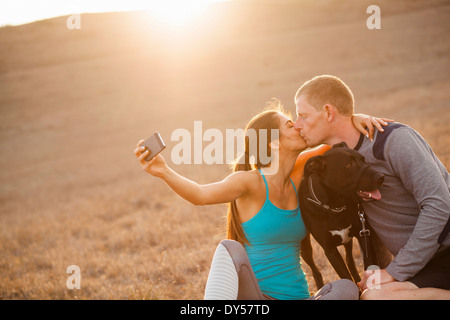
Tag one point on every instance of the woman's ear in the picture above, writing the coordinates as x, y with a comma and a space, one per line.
315, 165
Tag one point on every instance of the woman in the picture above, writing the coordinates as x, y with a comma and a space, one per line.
264, 220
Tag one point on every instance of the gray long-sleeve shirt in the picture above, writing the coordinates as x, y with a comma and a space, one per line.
415, 197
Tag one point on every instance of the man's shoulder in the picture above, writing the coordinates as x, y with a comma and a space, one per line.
397, 140
395, 134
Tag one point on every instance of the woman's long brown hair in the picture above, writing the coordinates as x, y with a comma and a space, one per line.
267, 120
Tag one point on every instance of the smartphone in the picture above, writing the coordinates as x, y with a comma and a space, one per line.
154, 144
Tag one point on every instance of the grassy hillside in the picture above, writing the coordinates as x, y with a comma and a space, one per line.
74, 103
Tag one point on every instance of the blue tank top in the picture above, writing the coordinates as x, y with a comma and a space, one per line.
274, 235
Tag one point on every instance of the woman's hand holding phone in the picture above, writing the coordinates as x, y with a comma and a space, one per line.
156, 167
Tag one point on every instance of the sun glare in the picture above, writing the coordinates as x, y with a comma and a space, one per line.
177, 12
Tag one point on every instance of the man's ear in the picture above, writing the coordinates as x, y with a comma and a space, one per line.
329, 111
315, 164
340, 145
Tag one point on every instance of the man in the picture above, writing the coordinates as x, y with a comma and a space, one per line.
412, 216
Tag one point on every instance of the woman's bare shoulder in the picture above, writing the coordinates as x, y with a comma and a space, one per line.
251, 179
297, 172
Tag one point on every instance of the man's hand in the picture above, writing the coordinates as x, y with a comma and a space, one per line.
372, 278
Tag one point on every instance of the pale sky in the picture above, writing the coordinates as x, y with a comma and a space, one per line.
15, 12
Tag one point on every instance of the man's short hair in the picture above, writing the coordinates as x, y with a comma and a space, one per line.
327, 89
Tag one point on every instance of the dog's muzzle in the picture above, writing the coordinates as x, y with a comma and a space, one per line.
352, 189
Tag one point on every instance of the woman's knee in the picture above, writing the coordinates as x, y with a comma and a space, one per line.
232, 245
236, 251
348, 288
345, 289
342, 289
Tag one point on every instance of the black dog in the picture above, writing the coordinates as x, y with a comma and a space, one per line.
333, 186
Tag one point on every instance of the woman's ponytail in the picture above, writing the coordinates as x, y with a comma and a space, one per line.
250, 160
234, 227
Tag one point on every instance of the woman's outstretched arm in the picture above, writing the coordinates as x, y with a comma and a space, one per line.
227, 190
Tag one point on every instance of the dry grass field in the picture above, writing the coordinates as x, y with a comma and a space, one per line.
74, 103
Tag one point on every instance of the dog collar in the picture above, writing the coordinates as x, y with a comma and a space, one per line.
316, 200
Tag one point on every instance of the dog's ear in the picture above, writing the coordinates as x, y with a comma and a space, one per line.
340, 145
315, 165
